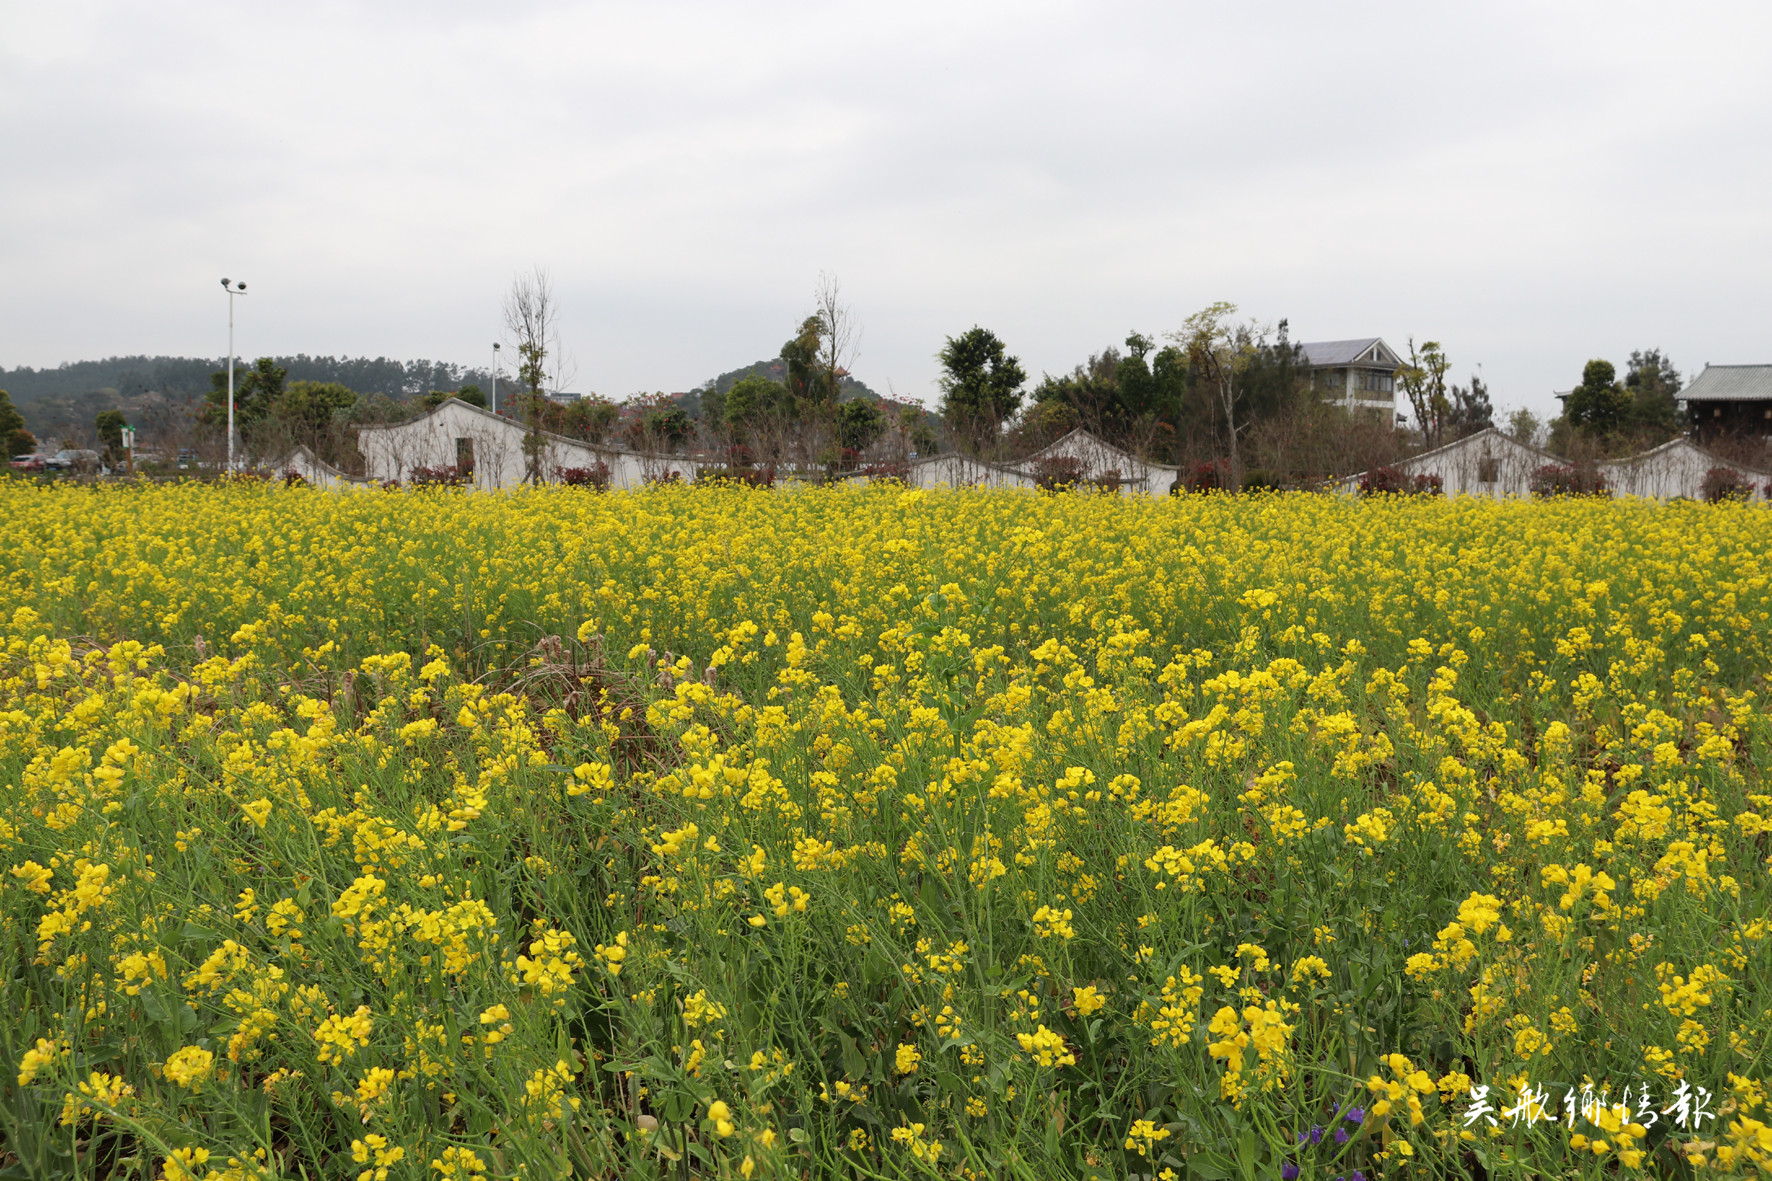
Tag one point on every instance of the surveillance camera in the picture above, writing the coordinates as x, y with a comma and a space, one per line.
242, 286
224, 282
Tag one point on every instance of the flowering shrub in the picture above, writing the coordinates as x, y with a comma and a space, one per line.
595, 476
441, 476
872, 831
1563, 479
1725, 483
1209, 477
1058, 472
888, 471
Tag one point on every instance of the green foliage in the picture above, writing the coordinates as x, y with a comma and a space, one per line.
752, 400
980, 384
804, 382
255, 390
13, 435
859, 423
661, 426
1654, 387
308, 408
109, 425
1599, 406
1423, 381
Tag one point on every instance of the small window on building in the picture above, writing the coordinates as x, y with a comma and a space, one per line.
1716, 412
1488, 470
464, 455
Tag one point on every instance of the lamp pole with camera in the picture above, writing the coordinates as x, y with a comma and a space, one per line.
232, 289
495, 377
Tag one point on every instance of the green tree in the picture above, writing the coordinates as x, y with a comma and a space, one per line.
1525, 426
1598, 406
980, 384
1654, 387
801, 358
592, 417
1471, 411
256, 390
859, 423
13, 435
308, 408
1424, 383
473, 395
661, 425
109, 426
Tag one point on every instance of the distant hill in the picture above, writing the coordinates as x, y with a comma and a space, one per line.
775, 369
64, 400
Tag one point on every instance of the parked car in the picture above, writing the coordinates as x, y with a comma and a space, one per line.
71, 460
29, 463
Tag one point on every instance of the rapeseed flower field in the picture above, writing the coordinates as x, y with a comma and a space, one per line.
705, 832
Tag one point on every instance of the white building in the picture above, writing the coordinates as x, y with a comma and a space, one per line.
1101, 460
1490, 463
1358, 374
1676, 468
493, 448
314, 470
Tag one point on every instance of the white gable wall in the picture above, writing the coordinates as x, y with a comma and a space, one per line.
1463, 465
1673, 469
1099, 458
391, 452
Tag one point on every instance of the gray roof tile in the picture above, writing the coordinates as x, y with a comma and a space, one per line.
1736, 383
1338, 352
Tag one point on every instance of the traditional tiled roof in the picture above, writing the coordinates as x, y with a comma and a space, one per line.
1731, 383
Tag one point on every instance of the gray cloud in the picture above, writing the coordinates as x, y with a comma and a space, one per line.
1531, 184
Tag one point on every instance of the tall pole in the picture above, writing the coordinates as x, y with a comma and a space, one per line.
233, 289
495, 377
230, 380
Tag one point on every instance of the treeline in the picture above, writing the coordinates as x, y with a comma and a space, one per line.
63, 402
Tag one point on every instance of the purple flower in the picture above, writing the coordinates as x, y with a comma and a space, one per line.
1288, 1171
1341, 1135
1356, 1115
1358, 1176
1301, 1137
1316, 1134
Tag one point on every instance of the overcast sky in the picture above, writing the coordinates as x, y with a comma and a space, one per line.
1531, 184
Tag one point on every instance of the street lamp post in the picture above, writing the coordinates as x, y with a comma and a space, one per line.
232, 289
495, 377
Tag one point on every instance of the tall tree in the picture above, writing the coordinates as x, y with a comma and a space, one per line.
838, 338
1598, 406
1654, 388
255, 392
532, 324
1424, 383
980, 385
800, 361
1470, 410
1221, 351
109, 426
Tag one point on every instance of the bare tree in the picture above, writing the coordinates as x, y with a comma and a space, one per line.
839, 336
532, 324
